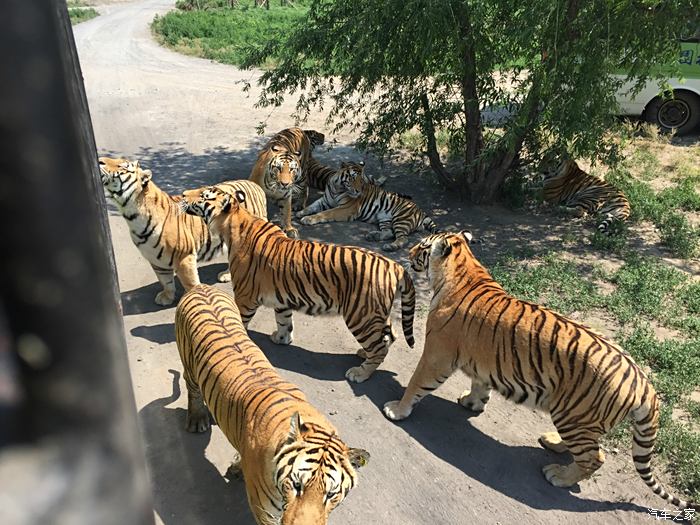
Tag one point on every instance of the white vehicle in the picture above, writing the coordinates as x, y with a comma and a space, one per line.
677, 110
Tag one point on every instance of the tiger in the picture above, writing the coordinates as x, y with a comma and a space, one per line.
531, 355
286, 274
348, 197
280, 170
171, 242
570, 186
319, 174
295, 467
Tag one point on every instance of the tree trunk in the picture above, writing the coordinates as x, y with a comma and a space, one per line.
428, 128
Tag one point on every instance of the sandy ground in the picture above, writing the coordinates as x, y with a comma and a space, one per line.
189, 120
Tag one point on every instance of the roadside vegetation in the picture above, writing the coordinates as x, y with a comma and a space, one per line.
213, 29
79, 11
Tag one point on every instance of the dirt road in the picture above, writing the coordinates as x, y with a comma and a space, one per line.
189, 121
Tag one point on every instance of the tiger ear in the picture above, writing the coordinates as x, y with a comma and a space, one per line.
298, 153
440, 248
146, 176
240, 196
296, 427
226, 203
358, 457
276, 149
467, 235
362, 163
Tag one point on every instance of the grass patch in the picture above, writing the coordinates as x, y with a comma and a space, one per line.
557, 283
80, 14
224, 34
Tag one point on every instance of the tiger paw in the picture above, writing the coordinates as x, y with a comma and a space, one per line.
292, 233
552, 441
164, 298
562, 475
393, 411
281, 338
390, 247
471, 402
306, 220
373, 235
197, 422
357, 374
235, 469
224, 277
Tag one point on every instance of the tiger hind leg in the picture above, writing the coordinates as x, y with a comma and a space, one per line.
476, 398
401, 231
384, 232
246, 307
375, 342
166, 278
588, 457
552, 441
197, 413
285, 327
432, 371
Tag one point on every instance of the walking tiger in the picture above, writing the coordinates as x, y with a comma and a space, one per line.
533, 356
270, 269
296, 468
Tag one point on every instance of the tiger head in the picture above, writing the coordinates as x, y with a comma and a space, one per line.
209, 202
284, 170
555, 169
122, 178
349, 179
316, 138
315, 470
437, 245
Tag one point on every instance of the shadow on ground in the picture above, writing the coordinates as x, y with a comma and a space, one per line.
190, 489
439, 426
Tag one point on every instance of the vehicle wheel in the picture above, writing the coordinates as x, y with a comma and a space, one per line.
680, 113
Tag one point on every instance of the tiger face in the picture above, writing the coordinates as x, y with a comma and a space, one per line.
209, 202
437, 244
349, 179
284, 170
555, 169
315, 471
122, 178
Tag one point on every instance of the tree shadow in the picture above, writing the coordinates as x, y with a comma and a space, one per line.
187, 488
439, 426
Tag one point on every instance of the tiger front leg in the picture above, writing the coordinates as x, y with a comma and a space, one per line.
186, 271
476, 399
315, 207
166, 278
286, 206
432, 371
343, 214
285, 327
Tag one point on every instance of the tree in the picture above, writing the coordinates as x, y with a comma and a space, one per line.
399, 65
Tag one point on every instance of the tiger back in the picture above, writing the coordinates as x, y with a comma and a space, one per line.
533, 356
171, 242
315, 278
295, 466
570, 186
350, 196
280, 170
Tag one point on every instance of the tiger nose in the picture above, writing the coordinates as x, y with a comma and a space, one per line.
285, 184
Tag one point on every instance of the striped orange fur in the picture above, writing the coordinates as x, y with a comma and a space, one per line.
530, 355
296, 468
268, 268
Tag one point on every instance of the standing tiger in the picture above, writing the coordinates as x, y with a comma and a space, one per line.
280, 170
315, 278
349, 196
170, 241
296, 468
570, 186
531, 355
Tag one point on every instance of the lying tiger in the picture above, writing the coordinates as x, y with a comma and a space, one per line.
319, 174
570, 186
533, 356
270, 269
296, 468
171, 242
280, 170
349, 196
